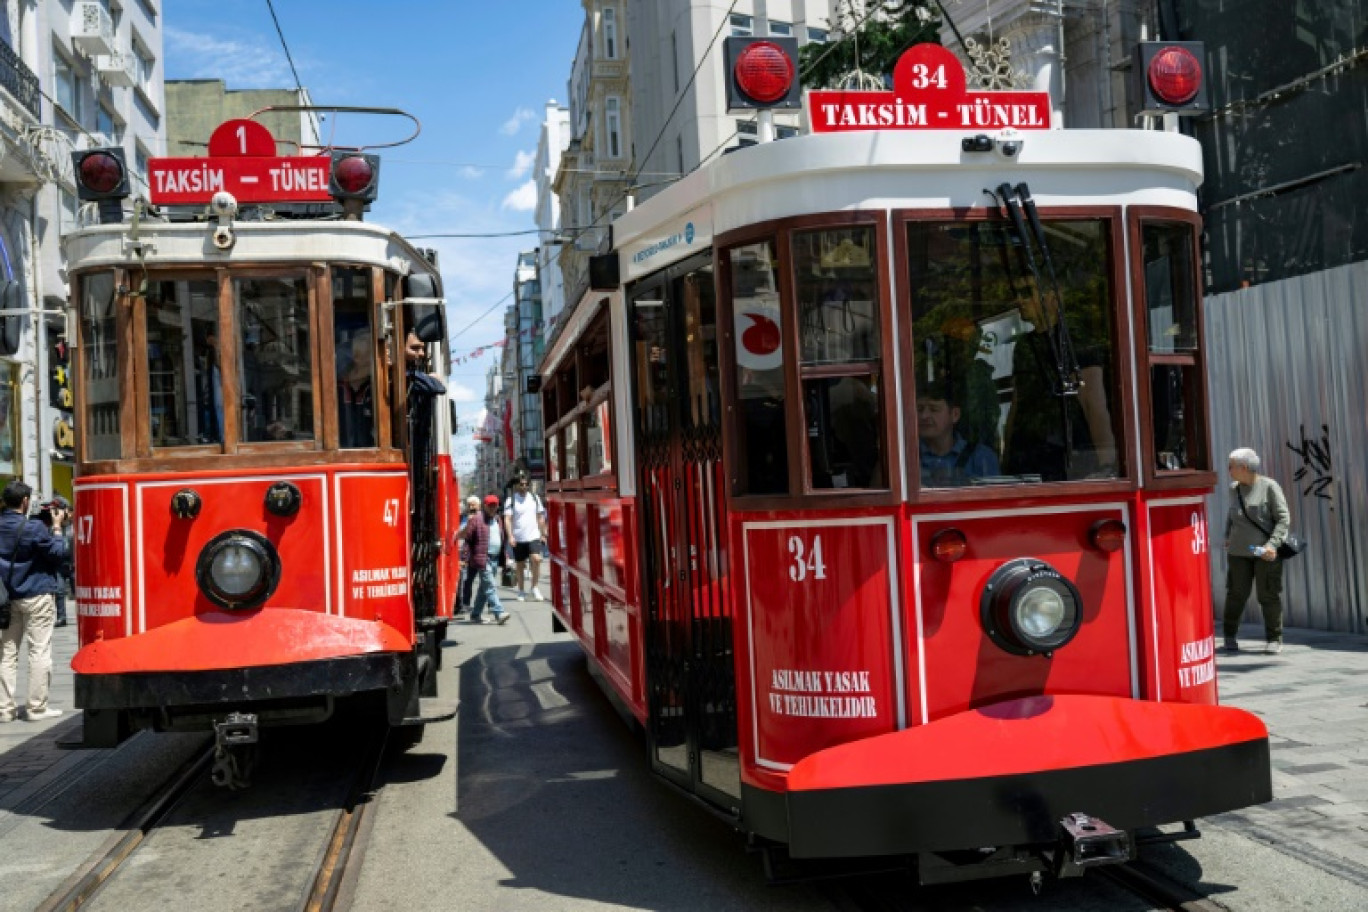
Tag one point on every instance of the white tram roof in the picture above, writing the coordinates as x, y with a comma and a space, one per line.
190, 244
920, 169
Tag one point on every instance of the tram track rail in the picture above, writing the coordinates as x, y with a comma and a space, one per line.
328, 886
1139, 880
78, 889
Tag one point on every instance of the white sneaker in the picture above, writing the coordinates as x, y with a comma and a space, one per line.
1274, 647
522, 596
536, 595
51, 712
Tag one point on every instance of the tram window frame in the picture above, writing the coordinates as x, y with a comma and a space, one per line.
139, 314
551, 415
123, 368
594, 371
1122, 407
316, 361
1191, 362
779, 234
332, 398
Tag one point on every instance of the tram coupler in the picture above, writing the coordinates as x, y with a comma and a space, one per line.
1086, 842
237, 729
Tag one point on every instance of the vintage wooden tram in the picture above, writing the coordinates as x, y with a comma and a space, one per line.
877, 487
265, 505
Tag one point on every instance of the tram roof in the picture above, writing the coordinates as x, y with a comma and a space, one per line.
190, 244
922, 169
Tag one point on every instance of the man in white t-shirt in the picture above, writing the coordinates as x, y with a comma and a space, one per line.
525, 526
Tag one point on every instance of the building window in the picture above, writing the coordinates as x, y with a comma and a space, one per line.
674, 60
68, 84
742, 26
610, 33
105, 124
140, 157
146, 62
782, 29
816, 35
149, 10
612, 126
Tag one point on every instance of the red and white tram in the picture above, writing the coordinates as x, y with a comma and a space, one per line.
265, 505
877, 489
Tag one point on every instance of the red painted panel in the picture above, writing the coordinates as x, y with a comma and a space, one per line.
612, 550
105, 597
820, 635
219, 639
584, 543
588, 629
171, 547
617, 645
1182, 603
1028, 735
372, 535
964, 668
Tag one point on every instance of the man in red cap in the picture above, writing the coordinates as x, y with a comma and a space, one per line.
484, 543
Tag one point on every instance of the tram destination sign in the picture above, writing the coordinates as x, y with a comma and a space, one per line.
929, 93
242, 161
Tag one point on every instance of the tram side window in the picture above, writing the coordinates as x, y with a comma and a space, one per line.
1171, 289
275, 369
996, 335
596, 396
355, 346
184, 376
100, 376
762, 443
837, 293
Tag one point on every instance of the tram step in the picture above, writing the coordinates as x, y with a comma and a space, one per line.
433, 709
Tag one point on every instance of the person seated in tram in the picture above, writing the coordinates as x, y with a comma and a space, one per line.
947, 459
355, 393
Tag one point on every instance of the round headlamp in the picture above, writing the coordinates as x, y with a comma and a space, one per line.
238, 570
1030, 608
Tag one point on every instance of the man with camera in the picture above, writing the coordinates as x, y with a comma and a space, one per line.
31, 561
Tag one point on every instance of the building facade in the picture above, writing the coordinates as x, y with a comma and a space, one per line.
74, 76
551, 143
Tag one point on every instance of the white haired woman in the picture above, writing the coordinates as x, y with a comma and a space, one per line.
1257, 523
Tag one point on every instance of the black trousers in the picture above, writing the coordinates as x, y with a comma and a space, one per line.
1244, 574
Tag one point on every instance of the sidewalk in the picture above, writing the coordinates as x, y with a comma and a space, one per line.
1312, 698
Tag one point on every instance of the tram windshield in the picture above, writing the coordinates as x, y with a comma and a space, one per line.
992, 332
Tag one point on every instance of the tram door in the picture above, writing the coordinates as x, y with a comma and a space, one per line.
678, 412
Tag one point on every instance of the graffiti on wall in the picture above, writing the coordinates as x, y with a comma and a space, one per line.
1315, 471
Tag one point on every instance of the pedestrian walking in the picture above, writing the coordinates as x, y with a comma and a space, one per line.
525, 526
466, 590
31, 560
484, 548
1255, 526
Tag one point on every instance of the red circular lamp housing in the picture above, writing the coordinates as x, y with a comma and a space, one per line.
764, 72
1175, 75
1108, 535
949, 545
101, 172
353, 174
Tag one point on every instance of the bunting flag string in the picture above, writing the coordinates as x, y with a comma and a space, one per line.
536, 329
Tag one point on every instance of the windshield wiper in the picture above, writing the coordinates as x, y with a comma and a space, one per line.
1057, 334
1068, 361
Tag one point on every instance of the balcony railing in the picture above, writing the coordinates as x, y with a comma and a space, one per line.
18, 80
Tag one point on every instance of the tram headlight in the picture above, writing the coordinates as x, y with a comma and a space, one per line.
238, 570
1030, 608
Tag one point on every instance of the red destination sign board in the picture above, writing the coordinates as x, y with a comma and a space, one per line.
929, 93
243, 162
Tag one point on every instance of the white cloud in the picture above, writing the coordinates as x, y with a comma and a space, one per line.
470, 172
460, 392
241, 64
522, 163
514, 123
523, 199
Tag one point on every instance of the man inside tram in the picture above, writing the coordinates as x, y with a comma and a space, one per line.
947, 459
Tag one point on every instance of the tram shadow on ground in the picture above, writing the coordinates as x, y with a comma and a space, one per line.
557, 788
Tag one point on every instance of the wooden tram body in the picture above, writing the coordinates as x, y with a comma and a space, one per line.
265, 507
812, 628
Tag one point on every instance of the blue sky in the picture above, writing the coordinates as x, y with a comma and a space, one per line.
477, 75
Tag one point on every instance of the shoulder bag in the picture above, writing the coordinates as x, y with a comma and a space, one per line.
1292, 544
